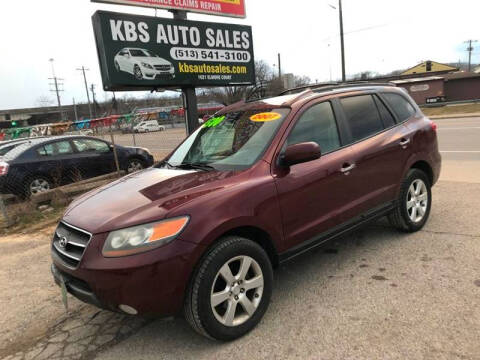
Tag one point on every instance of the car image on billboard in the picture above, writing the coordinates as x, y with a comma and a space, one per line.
143, 64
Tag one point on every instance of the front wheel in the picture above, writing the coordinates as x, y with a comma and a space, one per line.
137, 73
414, 202
230, 290
135, 165
38, 184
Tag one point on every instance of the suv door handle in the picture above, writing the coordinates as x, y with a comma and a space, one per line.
404, 142
346, 168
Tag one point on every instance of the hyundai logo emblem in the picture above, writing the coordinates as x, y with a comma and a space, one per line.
63, 242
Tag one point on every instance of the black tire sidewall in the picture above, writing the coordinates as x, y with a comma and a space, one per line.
411, 177
209, 322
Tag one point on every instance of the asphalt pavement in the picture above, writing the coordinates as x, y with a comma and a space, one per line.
377, 294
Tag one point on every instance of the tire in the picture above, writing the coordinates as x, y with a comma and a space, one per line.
213, 321
412, 209
134, 165
37, 184
137, 73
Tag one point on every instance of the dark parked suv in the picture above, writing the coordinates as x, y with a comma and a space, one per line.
254, 186
39, 164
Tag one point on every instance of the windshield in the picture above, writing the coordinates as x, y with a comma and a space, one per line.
234, 141
138, 53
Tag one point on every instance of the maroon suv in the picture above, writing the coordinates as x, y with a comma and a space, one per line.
256, 185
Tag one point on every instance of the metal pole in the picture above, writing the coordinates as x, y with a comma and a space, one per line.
115, 155
92, 86
341, 39
57, 91
75, 109
189, 95
279, 66
3, 210
82, 69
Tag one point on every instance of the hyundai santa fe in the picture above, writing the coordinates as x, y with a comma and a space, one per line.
254, 186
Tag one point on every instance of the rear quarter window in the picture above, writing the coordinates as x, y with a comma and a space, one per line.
400, 106
362, 116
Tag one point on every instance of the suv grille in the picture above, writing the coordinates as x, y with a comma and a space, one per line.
162, 67
69, 243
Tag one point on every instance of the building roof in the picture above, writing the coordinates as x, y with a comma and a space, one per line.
422, 68
461, 75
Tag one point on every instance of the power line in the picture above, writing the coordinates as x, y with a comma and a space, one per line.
83, 69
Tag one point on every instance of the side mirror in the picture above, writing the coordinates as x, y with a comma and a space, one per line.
111, 147
301, 153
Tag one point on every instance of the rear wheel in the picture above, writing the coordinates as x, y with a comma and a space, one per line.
38, 184
414, 202
230, 290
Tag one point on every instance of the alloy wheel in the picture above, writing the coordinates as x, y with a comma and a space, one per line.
417, 200
38, 186
235, 298
134, 166
138, 73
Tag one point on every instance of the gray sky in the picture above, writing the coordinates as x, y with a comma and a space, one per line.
398, 34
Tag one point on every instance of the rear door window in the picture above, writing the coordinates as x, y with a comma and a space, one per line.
317, 124
401, 107
91, 145
385, 114
362, 116
53, 149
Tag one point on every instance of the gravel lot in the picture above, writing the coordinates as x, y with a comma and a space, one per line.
377, 294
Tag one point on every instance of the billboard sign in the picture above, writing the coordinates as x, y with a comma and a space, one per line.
232, 8
142, 52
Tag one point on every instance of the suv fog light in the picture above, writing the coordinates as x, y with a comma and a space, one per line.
128, 309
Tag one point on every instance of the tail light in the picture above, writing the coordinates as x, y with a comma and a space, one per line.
433, 125
3, 168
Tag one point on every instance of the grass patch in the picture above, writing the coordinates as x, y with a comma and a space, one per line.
452, 109
31, 221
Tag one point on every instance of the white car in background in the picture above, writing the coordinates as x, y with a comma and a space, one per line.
148, 126
143, 64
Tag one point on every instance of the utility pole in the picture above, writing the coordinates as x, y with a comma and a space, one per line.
470, 49
83, 69
188, 92
56, 83
92, 89
75, 109
279, 66
341, 39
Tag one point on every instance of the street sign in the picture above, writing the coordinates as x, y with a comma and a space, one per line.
232, 8
142, 52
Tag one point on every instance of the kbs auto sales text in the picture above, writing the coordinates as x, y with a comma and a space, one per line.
130, 31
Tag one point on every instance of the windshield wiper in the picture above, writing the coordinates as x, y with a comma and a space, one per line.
196, 166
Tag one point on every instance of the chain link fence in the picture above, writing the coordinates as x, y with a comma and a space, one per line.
48, 168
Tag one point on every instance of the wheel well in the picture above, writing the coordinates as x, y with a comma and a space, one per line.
426, 168
260, 237
136, 157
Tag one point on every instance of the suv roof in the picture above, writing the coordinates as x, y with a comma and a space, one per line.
292, 96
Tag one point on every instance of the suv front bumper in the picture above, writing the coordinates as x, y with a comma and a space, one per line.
152, 283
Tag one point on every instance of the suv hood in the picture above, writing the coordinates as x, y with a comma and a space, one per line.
139, 198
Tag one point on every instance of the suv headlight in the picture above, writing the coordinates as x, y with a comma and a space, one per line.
148, 66
143, 238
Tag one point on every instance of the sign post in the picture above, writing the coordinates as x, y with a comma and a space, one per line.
148, 53
189, 95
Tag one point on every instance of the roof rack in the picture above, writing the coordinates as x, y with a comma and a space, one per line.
333, 85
